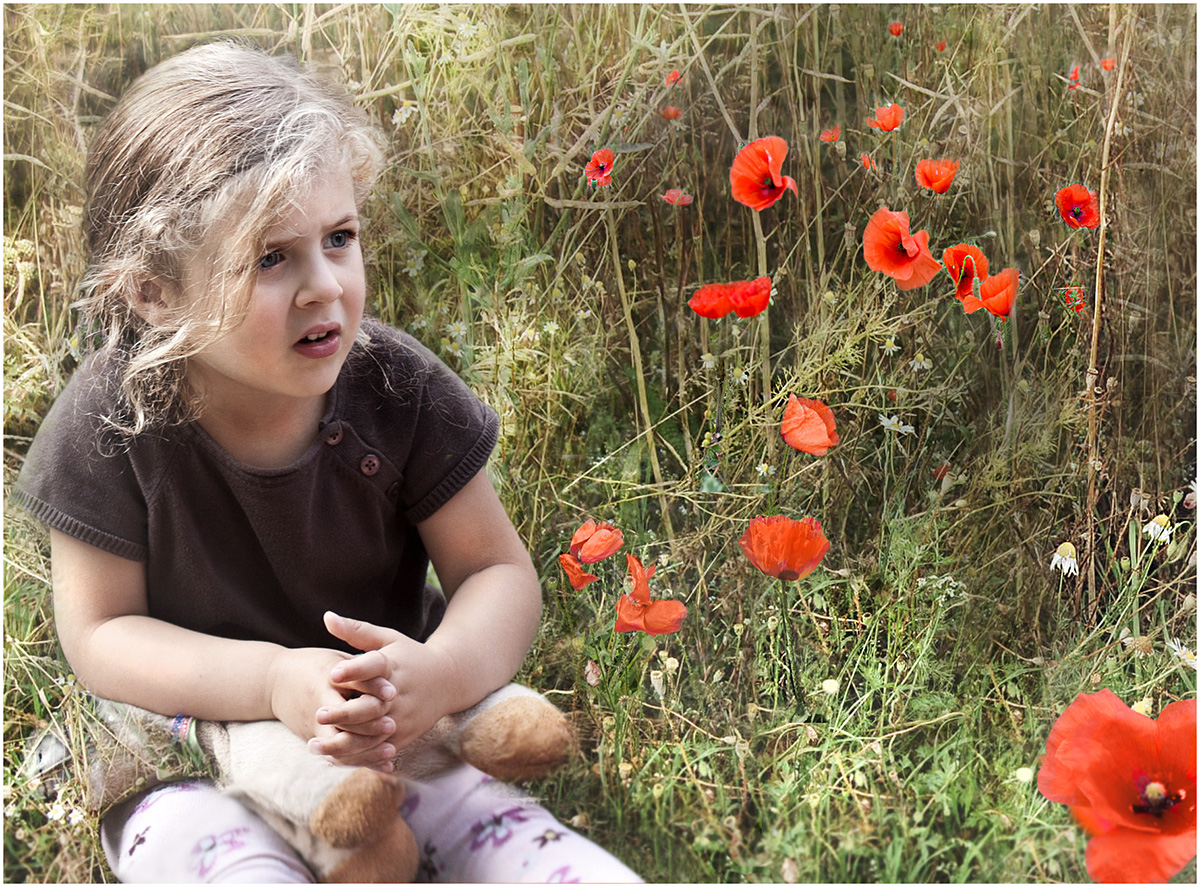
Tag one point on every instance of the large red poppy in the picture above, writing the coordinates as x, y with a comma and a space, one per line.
784, 548
636, 612
757, 173
599, 168
997, 294
595, 541
965, 264
1078, 206
888, 247
576, 575
808, 426
745, 297
936, 175
676, 197
895, 29
832, 134
1130, 781
886, 118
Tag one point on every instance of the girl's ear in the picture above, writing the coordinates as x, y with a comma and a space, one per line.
151, 302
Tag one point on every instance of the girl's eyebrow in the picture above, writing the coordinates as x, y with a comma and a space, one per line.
283, 241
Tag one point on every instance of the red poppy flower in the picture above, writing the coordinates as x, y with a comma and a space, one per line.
670, 112
888, 247
1078, 207
756, 174
599, 168
636, 612
941, 471
1108, 64
575, 573
711, 301
1074, 75
675, 197
936, 175
784, 548
867, 162
808, 426
965, 264
895, 29
940, 46
673, 78
1130, 781
887, 117
595, 541
745, 297
999, 292
831, 135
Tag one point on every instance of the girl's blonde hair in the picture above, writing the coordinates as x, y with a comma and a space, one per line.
222, 134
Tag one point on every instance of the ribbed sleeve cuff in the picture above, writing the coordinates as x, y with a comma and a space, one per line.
56, 520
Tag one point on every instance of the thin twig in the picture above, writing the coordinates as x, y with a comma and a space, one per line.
1093, 371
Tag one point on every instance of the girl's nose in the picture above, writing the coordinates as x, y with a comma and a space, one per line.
320, 283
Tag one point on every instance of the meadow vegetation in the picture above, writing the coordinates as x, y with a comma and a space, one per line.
879, 720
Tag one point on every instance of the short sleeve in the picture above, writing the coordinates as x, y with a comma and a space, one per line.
438, 432
79, 478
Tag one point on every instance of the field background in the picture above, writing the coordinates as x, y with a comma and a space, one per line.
715, 754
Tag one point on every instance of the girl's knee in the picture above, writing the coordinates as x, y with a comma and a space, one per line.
190, 832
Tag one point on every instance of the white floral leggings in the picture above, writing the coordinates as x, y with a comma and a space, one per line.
470, 828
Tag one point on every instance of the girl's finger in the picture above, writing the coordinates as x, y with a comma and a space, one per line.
380, 688
363, 667
358, 710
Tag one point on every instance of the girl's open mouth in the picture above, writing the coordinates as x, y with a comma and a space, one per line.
319, 344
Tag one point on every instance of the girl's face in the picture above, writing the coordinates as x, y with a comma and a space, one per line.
304, 313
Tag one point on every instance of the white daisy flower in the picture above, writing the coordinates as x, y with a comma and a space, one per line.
74, 817
1064, 559
456, 330
56, 812
1185, 655
893, 423
889, 346
1159, 529
402, 114
764, 469
708, 360
550, 327
921, 362
741, 376
1139, 644
1189, 501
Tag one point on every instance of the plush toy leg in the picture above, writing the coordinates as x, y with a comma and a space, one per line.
521, 737
363, 812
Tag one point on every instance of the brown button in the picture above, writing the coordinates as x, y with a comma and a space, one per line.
334, 437
393, 492
369, 464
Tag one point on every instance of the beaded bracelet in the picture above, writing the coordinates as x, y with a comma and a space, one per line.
180, 727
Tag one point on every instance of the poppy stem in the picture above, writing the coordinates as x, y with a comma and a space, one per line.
813, 618
764, 326
638, 372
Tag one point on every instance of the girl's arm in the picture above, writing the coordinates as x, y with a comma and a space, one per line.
120, 652
494, 605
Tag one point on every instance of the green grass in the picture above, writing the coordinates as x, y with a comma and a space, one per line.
954, 646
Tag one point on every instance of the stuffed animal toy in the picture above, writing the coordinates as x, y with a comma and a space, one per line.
343, 821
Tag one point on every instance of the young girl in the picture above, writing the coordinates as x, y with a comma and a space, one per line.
246, 483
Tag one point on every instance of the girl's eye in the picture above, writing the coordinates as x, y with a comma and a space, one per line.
269, 261
340, 239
